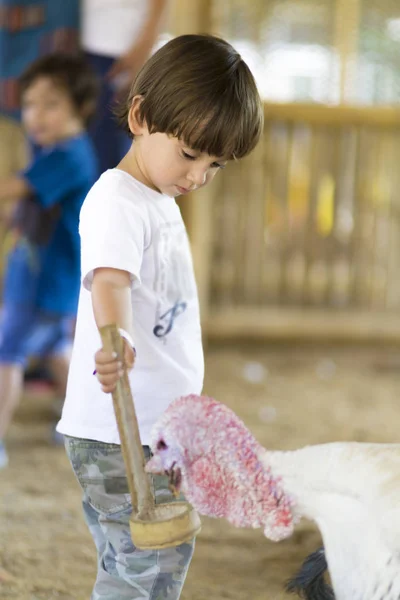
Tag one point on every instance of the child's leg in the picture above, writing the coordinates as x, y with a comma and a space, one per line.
124, 572
17, 320
60, 356
51, 339
16, 323
11, 385
59, 367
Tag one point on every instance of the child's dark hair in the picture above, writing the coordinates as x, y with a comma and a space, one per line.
69, 71
199, 89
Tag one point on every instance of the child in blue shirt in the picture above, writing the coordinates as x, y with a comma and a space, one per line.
42, 273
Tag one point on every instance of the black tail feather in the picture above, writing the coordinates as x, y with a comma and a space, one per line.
309, 583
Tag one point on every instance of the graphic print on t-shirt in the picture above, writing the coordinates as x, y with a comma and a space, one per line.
175, 286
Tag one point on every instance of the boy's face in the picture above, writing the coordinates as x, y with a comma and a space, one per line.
48, 113
167, 165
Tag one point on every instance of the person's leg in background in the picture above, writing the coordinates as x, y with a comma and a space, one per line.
25, 332
51, 341
59, 367
59, 361
11, 381
110, 142
17, 321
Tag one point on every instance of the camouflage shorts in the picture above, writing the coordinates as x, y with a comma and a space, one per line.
124, 572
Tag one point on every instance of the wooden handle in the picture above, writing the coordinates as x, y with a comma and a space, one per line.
132, 451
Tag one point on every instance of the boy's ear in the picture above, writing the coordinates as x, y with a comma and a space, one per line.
136, 125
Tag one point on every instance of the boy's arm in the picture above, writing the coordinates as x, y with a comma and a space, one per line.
111, 300
12, 188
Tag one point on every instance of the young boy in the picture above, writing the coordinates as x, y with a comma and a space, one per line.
42, 272
193, 107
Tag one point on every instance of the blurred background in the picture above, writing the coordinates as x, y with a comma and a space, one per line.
297, 256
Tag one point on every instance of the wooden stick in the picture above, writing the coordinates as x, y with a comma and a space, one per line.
132, 451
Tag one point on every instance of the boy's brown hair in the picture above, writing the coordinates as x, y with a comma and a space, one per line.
72, 73
199, 89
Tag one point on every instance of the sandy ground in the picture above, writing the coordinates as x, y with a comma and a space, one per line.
288, 397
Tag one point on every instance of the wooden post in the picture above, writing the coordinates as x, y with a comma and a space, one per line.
346, 36
199, 225
193, 16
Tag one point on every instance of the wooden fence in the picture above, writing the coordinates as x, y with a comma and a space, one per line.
302, 238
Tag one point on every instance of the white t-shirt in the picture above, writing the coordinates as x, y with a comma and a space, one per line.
110, 27
126, 225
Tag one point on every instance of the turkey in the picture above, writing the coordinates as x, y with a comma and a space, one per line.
350, 490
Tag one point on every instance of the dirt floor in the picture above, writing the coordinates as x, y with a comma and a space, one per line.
288, 398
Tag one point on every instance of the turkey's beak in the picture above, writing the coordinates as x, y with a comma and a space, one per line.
154, 465
175, 480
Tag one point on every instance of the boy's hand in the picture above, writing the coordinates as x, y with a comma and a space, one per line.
108, 369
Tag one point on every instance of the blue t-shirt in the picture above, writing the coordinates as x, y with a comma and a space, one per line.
60, 178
